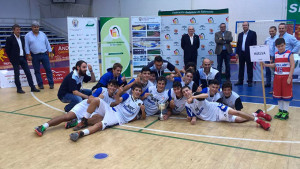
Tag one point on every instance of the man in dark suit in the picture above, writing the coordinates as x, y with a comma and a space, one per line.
15, 50
190, 43
246, 39
223, 49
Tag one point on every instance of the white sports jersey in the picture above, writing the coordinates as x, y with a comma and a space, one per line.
208, 111
144, 87
230, 101
179, 79
104, 92
214, 98
179, 102
128, 109
152, 101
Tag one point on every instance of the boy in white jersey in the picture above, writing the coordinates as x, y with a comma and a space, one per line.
126, 109
79, 111
152, 77
155, 95
213, 91
231, 98
283, 80
198, 106
186, 80
143, 79
176, 99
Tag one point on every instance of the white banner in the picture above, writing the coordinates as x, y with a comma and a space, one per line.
83, 42
259, 53
145, 33
7, 78
175, 24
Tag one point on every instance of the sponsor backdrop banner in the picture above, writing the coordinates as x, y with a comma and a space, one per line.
83, 42
175, 23
115, 47
59, 66
145, 33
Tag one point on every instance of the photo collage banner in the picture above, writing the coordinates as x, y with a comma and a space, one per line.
175, 23
145, 33
83, 42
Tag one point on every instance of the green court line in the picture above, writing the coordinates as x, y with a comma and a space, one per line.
205, 142
149, 124
25, 114
173, 137
33, 105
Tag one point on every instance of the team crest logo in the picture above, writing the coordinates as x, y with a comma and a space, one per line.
176, 52
192, 20
175, 31
75, 23
114, 32
227, 19
167, 36
202, 36
175, 21
177, 62
176, 43
168, 47
184, 27
211, 31
202, 27
210, 20
167, 28
210, 52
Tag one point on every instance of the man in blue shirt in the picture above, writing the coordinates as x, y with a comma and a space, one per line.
36, 47
291, 42
271, 42
70, 89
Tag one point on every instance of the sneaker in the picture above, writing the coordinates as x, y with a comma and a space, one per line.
39, 130
41, 87
35, 90
81, 125
284, 115
278, 115
71, 124
266, 116
263, 124
75, 136
20, 91
51, 86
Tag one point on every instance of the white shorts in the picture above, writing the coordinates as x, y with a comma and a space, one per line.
80, 109
224, 116
110, 118
103, 107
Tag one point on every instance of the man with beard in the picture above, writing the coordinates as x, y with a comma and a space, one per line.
70, 89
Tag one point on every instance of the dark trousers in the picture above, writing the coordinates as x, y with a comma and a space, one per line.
268, 73
36, 61
224, 55
23, 63
245, 57
187, 59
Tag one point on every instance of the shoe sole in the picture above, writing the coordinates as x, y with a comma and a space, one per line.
74, 136
38, 133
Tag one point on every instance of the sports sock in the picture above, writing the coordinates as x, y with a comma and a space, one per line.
46, 125
286, 105
86, 132
280, 104
255, 119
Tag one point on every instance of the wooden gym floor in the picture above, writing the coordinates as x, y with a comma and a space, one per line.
142, 144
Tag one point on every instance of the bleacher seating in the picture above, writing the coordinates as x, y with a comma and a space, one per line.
6, 31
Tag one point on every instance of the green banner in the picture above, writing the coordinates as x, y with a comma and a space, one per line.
194, 12
115, 43
293, 10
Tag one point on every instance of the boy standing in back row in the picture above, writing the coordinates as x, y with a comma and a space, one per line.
283, 80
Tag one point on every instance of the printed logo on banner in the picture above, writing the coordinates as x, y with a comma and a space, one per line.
166, 28
176, 43
210, 52
168, 47
176, 52
211, 31
211, 43
202, 36
183, 27
90, 24
210, 20
202, 47
202, 27
175, 31
176, 62
75, 23
115, 32
167, 37
175, 21
227, 19
192, 20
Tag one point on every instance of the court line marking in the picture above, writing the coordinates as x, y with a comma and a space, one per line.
197, 135
216, 137
34, 105
211, 143
149, 124
46, 103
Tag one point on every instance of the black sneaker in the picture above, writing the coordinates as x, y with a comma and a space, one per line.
75, 136
35, 90
81, 125
40, 130
51, 86
41, 87
20, 91
284, 115
71, 124
268, 85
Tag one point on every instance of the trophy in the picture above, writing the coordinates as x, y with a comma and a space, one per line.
161, 107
